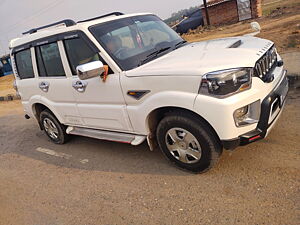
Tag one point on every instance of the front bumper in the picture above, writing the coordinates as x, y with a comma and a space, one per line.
271, 109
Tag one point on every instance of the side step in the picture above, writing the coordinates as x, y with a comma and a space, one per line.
107, 135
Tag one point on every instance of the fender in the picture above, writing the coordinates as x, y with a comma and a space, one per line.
138, 114
37, 99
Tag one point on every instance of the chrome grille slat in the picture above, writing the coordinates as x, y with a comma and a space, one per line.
265, 65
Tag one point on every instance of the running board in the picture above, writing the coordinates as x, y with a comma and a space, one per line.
107, 135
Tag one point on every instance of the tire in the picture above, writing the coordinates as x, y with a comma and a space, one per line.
196, 147
53, 128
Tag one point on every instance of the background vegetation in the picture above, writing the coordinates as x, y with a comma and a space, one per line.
177, 16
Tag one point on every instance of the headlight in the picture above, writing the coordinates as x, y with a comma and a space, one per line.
224, 83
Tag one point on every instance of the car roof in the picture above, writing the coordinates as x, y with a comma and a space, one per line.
61, 28
194, 12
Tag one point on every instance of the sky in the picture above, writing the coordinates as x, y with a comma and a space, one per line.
17, 16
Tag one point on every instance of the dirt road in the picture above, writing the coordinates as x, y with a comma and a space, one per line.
90, 181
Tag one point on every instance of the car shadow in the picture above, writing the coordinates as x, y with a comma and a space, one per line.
23, 137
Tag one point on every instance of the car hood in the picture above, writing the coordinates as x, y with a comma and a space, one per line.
207, 56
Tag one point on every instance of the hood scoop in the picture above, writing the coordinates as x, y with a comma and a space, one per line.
236, 44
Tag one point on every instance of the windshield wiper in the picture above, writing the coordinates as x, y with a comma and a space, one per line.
179, 44
153, 55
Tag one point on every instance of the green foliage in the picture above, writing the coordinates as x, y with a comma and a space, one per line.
179, 15
292, 42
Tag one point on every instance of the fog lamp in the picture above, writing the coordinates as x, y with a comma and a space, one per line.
247, 115
240, 113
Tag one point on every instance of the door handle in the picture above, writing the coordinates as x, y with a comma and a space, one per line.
80, 85
44, 86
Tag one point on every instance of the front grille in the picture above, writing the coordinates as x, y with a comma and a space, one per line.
266, 64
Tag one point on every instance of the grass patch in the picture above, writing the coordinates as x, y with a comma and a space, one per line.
293, 41
269, 7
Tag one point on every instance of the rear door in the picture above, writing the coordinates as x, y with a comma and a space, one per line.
25, 76
55, 86
244, 9
100, 104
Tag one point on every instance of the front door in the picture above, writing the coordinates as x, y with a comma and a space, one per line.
244, 9
100, 104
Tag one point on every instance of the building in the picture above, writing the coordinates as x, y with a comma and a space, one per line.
231, 11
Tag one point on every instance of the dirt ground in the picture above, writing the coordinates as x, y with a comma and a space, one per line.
6, 85
280, 23
11, 107
89, 181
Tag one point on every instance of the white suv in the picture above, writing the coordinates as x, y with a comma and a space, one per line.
128, 78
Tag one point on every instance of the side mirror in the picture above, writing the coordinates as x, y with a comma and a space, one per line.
90, 70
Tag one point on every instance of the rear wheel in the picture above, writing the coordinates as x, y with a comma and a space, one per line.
53, 128
188, 142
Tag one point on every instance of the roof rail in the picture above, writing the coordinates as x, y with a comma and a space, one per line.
99, 17
67, 22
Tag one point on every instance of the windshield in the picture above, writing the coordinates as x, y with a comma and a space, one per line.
131, 41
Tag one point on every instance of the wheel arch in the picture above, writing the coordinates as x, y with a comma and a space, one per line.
156, 115
37, 108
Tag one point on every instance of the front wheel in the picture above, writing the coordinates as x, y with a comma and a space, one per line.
188, 142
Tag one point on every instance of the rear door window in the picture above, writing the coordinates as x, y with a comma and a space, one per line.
49, 61
24, 64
